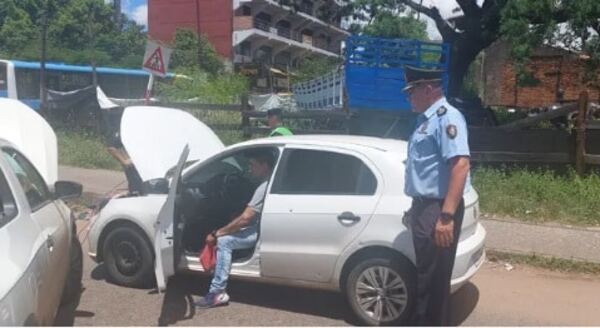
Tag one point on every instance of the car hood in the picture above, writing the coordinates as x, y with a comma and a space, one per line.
154, 138
32, 135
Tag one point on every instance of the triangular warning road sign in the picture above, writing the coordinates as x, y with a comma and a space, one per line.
155, 62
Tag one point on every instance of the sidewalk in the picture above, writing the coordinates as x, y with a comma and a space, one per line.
94, 181
577, 243
507, 236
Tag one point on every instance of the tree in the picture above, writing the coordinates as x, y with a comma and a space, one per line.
313, 67
188, 48
78, 31
468, 35
203, 87
574, 25
390, 25
16, 27
526, 23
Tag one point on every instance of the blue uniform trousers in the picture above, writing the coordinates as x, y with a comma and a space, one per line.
434, 264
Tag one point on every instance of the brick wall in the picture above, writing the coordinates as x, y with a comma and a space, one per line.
554, 69
215, 21
243, 23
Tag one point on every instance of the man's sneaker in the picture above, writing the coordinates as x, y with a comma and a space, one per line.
212, 299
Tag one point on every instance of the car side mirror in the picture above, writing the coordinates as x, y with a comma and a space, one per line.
66, 190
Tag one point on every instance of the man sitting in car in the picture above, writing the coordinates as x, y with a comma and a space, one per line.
240, 233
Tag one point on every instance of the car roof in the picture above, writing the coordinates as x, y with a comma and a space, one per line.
346, 141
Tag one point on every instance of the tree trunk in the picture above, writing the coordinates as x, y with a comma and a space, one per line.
117, 13
463, 53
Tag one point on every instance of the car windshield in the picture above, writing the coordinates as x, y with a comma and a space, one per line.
171, 171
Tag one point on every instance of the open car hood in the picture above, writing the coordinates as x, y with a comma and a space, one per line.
155, 136
32, 135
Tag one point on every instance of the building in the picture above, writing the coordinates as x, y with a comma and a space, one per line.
260, 38
558, 76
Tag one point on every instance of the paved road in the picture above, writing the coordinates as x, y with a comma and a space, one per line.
523, 296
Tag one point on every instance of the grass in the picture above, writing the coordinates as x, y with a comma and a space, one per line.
544, 262
77, 147
539, 195
226, 124
83, 149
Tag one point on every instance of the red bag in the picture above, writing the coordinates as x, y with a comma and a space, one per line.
208, 257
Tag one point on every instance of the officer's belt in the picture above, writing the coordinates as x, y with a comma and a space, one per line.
420, 199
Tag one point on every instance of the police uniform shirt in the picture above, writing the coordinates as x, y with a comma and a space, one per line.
441, 134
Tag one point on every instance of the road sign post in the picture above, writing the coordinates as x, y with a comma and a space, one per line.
156, 62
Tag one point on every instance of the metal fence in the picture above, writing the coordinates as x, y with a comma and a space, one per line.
323, 93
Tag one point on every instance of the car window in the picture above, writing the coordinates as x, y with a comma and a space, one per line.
8, 206
236, 163
323, 173
31, 181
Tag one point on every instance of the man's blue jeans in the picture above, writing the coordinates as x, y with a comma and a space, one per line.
225, 246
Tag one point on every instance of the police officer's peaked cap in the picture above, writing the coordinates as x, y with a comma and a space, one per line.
274, 112
414, 76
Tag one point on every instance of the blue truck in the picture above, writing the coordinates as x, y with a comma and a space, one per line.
374, 70
374, 79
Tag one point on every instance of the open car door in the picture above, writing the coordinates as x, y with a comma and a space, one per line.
167, 235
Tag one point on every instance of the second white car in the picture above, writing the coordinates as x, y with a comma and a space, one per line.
332, 218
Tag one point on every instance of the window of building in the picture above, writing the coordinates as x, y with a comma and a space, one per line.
245, 49
246, 11
264, 55
323, 173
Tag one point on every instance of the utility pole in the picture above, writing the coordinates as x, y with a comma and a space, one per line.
43, 38
92, 34
117, 13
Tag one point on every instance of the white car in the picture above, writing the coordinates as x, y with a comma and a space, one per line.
332, 217
40, 255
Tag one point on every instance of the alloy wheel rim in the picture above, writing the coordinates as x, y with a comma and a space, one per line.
381, 293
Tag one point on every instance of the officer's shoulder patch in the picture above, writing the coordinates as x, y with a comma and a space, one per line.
442, 111
451, 131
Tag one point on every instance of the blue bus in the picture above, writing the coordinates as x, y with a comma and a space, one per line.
21, 80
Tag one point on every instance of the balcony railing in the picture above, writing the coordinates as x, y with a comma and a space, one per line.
248, 22
262, 24
284, 32
306, 8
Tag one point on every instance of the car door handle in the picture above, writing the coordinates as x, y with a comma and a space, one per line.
50, 243
348, 216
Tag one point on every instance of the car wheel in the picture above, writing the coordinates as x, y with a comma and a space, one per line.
72, 289
381, 291
128, 258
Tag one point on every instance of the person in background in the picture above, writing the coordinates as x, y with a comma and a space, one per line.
275, 123
437, 174
117, 151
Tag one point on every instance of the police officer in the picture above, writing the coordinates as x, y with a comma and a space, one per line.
437, 174
275, 123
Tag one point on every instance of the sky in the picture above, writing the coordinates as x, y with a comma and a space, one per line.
138, 11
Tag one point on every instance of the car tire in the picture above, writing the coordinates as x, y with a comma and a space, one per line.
128, 258
368, 298
72, 290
